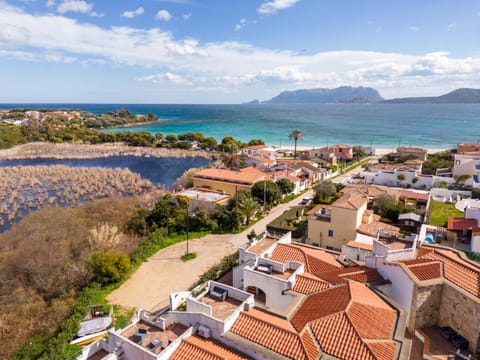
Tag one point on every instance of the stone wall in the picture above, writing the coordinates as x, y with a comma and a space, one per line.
425, 306
461, 311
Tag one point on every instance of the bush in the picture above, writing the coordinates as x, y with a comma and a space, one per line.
220, 269
285, 185
109, 267
401, 177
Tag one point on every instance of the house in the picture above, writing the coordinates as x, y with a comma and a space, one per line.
468, 164
306, 170
343, 152
439, 289
410, 222
227, 181
324, 155
333, 226
412, 152
407, 174
205, 199
260, 161
259, 150
64, 115
468, 148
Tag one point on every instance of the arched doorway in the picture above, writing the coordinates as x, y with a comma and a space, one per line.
259, 294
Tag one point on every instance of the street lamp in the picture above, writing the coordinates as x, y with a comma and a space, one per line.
188, 216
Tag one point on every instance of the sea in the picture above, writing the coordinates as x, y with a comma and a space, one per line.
381, 126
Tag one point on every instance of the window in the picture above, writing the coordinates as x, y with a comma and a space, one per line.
330, 232
316, 244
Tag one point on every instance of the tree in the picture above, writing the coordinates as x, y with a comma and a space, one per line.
324, 190
248, 206
254, 142
171, 138
296, 135
388, 207
285, 185
231, 158
226, 219
271, 195
208, 143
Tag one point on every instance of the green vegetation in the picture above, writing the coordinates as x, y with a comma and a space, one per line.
285, 185
473, 256
267, 191
189, 256
291, 220
11, 135
109, 267
439, 213
116, 118
436, 161
389, 208
325, 192
296, 135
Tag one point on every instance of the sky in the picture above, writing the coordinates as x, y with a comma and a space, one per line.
232, 51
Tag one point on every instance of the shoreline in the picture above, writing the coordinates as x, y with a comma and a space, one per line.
83, 151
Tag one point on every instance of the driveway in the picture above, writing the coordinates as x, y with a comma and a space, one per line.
164, 272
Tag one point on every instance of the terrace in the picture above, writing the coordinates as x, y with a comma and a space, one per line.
220, 309
152, 337
438, 347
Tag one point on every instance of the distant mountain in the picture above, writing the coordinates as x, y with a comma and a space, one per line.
459, 96
343, 94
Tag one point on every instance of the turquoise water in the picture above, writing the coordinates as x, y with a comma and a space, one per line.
379, 125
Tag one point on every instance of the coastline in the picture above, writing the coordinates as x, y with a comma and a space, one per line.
82, 151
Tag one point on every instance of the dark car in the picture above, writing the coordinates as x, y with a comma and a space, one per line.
459, 342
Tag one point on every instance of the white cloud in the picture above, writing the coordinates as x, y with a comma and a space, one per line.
51, 3
245, 69
452, 26
273, 6
241, 24
414, 28
133, 13
163, 15
186, 16
80, 6
95, 14
162, 78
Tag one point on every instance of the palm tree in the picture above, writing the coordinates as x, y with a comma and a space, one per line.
296, 135
230, 157
248, 206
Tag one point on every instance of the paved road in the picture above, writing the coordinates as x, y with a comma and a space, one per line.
165, 272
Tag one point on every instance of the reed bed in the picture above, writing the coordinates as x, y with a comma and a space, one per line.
82, 151
24, 189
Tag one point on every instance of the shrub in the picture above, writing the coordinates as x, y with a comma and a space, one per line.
414, 180
401, 177
109, 267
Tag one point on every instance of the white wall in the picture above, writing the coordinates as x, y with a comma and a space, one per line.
401, 287
475, 244
390, 178
357, 254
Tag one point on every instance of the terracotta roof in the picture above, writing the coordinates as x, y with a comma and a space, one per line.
372, 228
455, 269
308, 284
348, 321
338, 146
414, 195
460, 224
264, 159
359, 245
425, 269
360, 274
243, 176
271, 332
199, 348
371, 190
316, 261
351, 201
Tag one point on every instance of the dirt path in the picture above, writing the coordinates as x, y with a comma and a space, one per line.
164, 272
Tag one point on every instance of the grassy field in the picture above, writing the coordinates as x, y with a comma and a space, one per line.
440, 212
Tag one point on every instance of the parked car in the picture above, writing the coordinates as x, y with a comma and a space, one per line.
306, 200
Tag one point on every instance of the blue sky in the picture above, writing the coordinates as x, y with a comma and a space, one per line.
230, 51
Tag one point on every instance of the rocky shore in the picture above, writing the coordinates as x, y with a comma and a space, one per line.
83, 151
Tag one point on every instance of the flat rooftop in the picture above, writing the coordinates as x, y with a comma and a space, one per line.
285, 275
204, 195
160, 336
262, 245
221, 309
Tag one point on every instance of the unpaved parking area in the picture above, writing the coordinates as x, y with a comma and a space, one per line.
165, 272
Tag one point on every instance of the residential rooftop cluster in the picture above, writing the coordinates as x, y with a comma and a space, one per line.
356, 287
